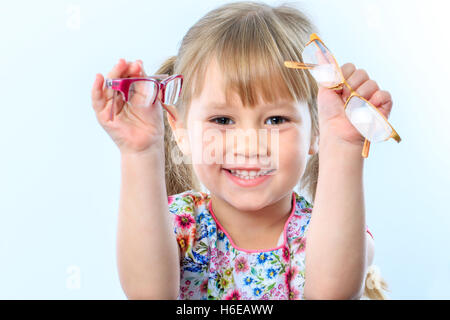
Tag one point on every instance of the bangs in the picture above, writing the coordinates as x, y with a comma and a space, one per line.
251, 56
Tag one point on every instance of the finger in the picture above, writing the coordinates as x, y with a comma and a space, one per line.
116, 72
117, 105
368, 88
357, 78
143, 74
133, 70
97, 94
383, 101
348, 69
323, 56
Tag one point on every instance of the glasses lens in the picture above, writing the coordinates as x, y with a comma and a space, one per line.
326, 71
142, 93
172, 92
367, 120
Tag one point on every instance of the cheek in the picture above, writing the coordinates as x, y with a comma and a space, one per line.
207, 151
293, 151
208, 147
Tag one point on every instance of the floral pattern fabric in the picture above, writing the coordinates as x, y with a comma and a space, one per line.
212, 267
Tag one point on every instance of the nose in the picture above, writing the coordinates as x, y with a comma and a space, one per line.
248, 146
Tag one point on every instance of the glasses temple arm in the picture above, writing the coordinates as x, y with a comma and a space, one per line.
299, 65
108, 83
365, 150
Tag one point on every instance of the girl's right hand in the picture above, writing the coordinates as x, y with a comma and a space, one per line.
133, 129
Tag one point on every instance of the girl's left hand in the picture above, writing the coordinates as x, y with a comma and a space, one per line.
333, 121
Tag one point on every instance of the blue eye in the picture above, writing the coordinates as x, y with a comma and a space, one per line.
220, 120
278, 117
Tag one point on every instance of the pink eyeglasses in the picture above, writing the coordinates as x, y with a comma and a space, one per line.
142, 92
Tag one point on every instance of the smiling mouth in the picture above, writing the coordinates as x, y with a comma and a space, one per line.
249, 174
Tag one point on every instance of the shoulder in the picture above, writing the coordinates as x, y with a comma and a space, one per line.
299, 220
186, 201
191, 227
303, 205
188, 209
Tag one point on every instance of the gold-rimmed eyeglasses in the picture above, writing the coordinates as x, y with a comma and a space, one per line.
363, 115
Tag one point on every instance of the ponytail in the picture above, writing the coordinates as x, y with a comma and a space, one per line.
179, 176
375, 284
310, 176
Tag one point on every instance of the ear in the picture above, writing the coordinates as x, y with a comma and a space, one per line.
314, 146
179, 132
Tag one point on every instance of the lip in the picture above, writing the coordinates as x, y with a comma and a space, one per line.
246, 183
248, 169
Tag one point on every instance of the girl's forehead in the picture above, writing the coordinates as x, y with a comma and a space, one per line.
213, 92
214, 82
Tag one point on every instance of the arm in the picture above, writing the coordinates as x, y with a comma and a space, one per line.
147, 251
336, 251
370, 255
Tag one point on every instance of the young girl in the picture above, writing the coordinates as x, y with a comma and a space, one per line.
246, 237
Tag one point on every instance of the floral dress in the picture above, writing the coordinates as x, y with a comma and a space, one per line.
213, 267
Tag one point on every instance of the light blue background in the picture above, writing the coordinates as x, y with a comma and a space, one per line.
60, 172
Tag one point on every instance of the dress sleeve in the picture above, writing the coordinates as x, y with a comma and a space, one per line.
182, 208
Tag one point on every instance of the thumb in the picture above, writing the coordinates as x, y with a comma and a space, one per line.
329, 103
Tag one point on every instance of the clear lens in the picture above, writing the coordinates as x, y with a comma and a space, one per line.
142, 93
366, 119
325, 72
173, 89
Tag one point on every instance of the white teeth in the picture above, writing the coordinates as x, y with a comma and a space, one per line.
244, 174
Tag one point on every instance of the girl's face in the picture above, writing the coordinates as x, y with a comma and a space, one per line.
272, 137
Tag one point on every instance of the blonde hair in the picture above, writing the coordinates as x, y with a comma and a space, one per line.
374, 284
250, 41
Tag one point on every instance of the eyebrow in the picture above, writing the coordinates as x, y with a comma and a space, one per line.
278, 105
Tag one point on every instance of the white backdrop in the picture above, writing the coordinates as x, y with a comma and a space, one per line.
60, 172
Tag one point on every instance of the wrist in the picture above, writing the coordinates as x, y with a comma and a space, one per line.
329, 139
155, 151
333, 148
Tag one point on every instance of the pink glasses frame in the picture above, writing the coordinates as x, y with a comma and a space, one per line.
123, 85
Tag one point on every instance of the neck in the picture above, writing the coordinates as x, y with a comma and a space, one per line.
243, 224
